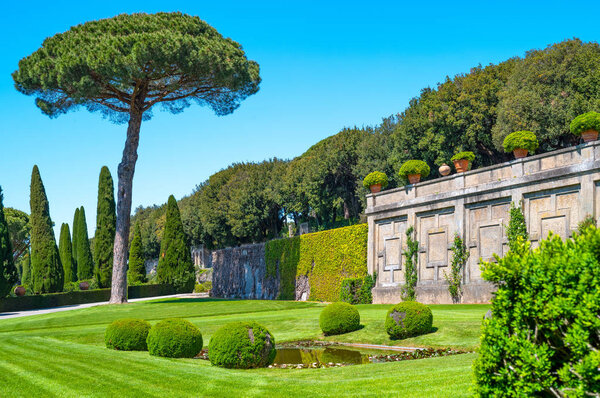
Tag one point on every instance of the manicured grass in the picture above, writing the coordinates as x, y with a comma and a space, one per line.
63, 354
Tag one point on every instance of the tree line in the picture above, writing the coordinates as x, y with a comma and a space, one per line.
253, 202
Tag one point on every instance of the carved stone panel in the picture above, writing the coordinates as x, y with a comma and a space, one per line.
435, 234
390, 245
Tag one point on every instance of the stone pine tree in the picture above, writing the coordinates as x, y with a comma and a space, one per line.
65, 249
85, 262
175, 265
122, 67
46, 273
106, 223
8, 272
75, 238
137, 271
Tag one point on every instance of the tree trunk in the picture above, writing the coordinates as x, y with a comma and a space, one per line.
118, 292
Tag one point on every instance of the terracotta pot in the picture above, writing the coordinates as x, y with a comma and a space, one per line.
20, 291
589, 136
461, 165
520, 153
414, 178
444, 169
84, 285
375, 188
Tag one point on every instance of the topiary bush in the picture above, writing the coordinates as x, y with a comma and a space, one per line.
470, 156
339, 318
414, 167
585, 122
127, 335
544, 336
408, 319
374, 178
174, 338
242, 345
521, 140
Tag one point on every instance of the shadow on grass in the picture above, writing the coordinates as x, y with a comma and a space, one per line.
189, 300
433, 330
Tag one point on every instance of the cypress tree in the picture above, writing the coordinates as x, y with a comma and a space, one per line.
106, 225
75, 236
137, 270
26, 262
85, 263
8, 272
175, 265
46, 274
65, 249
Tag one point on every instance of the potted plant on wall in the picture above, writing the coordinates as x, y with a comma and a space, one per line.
375, 181
413, 170
520, 143
587, 126
462, 160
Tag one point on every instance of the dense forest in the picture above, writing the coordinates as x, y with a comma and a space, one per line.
253, 202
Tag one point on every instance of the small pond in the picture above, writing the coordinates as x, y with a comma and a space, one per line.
320, 356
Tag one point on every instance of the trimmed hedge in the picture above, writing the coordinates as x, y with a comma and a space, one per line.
174, 338
339, 318
542, 339
39, 301
585, 122
374, 178
408, 319
326, 257
414, 167
127, 335
521, 140
242, 345
357, 290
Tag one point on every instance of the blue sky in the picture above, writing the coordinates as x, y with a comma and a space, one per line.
324, 65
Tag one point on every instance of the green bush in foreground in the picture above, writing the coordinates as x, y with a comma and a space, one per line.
585, 122
414, 167
339, 318
544, 336
408, 319
521, 140
174, 338
242, 345
374, 178
127, 335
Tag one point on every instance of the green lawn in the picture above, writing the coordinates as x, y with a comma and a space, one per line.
63, 354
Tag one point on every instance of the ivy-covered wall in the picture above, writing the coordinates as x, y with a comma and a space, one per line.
324, 258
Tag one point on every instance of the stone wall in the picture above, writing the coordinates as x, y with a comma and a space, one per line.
240, 272
558, 190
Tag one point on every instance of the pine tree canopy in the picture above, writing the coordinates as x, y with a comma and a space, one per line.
106, 223
8, 271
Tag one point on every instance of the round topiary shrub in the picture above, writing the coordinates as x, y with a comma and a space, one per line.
414, 167
127, 335
521, 140
375, 178
466, 155
174, 338
338, 318
587, 121
408, 319
242, 345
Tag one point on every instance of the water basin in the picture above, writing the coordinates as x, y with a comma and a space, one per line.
326, 355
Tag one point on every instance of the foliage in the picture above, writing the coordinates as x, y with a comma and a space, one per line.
65, 249
339, 318
75, 241
242, 345
465, 155
203, 287
411, 255
585, 122
19, 231
47, 274
460, 255
127, 334
516, 226
357, 290
408, 319
85, 263
136, 272
8, 271
174, 338
547, 89
311, 255
175, 265
520, 140
414, 167
375, 178
106, 224
542, 339
588, 221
